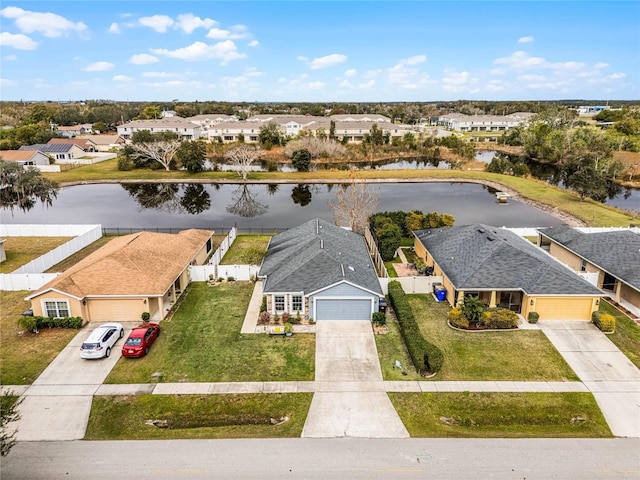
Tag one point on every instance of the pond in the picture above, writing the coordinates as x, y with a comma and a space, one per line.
260, 206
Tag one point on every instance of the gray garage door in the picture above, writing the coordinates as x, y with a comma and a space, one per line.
335, 309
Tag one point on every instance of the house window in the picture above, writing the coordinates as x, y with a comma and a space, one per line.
279, 303
296, 303
583, 265
56, 309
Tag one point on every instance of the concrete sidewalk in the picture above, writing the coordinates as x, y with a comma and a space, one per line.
612, 378
253, 310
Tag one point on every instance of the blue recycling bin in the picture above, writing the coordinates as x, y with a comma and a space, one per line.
441, 293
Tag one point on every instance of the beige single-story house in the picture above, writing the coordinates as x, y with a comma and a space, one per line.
60, 152
104, 143
25, 157
132, 274
614, 256
505, 270
85, 144
320, 271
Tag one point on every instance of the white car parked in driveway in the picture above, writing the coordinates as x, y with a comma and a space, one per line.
101, 340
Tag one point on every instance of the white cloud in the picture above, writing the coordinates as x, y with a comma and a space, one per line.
315, 85
5, 82
497, 71
199, 51
370, 84
616, 76
520, 60
18, 41
601, 65
159, 75
405, 74
99, 67
532, 78
114, 28
345, 84
526, 39
496, 86
569, 65
253, 43
253, 72
302, 59
143, 59
49, 24
121, 78
10, 58
327, 61
160, 23
173, 83
350, 73
189, 22
454, 81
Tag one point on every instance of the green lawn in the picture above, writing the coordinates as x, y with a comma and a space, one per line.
501, 415
247, 250
627, 334
21, 250
24, 355
510, 355
202, 343
391, 348
198, 416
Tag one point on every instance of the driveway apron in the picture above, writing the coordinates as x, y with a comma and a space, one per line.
57, 405
612, 378
350, 398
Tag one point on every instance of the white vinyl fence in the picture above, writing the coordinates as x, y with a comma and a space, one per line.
200, 273
11, 282
30, 276
419, 284
216, 258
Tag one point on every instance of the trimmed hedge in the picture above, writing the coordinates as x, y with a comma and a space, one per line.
533, 317
499, 318
426, 357
379, 318
33, 324
604, 321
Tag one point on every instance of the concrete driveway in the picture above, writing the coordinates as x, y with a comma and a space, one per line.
350, 398
57, 405
612, 378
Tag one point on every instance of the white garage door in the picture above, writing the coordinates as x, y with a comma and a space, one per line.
342, 309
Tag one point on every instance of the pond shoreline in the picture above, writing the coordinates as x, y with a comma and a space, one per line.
513, 194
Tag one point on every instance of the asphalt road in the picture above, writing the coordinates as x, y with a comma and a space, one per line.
348, 458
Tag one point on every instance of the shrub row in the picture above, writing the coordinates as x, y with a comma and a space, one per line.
379, 318
457, 318
604, 321
499, 318
426, 357
33, 324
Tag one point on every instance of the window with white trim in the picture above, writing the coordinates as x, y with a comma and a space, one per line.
279, 303
296, 303
583, 265
56, 309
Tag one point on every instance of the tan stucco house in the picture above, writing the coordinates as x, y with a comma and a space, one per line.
614, 256
505, 270
132, 274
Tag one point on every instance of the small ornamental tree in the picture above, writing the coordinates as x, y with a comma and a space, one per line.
301, 160
472, 308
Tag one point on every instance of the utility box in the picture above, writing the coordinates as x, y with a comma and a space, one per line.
382, 305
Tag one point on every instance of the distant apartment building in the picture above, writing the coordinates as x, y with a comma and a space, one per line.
483, 123
181, 126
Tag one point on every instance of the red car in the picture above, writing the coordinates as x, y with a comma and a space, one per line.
140, 340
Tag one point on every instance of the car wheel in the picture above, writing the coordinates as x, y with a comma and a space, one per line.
108, 352
121, 332
146, 351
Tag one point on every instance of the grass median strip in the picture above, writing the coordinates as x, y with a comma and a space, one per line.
506, 415
202, 343
146, 417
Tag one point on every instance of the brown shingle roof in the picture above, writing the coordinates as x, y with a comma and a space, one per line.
144, 263
17, 155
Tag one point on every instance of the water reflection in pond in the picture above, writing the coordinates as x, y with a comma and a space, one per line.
285, 205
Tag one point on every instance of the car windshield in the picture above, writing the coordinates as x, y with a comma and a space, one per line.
133, 341
90, 346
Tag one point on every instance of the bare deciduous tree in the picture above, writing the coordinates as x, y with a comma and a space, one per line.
245, 204
242, 158
161, 152
316, 146
353, 206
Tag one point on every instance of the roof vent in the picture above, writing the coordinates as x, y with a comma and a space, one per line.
321, 243
491, 238
481, 230
351, 268
342, 268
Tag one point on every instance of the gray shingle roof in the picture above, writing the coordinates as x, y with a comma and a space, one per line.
315, 255
50, 147
618, 252
481, 257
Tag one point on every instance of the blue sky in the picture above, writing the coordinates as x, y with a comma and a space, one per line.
319, 51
